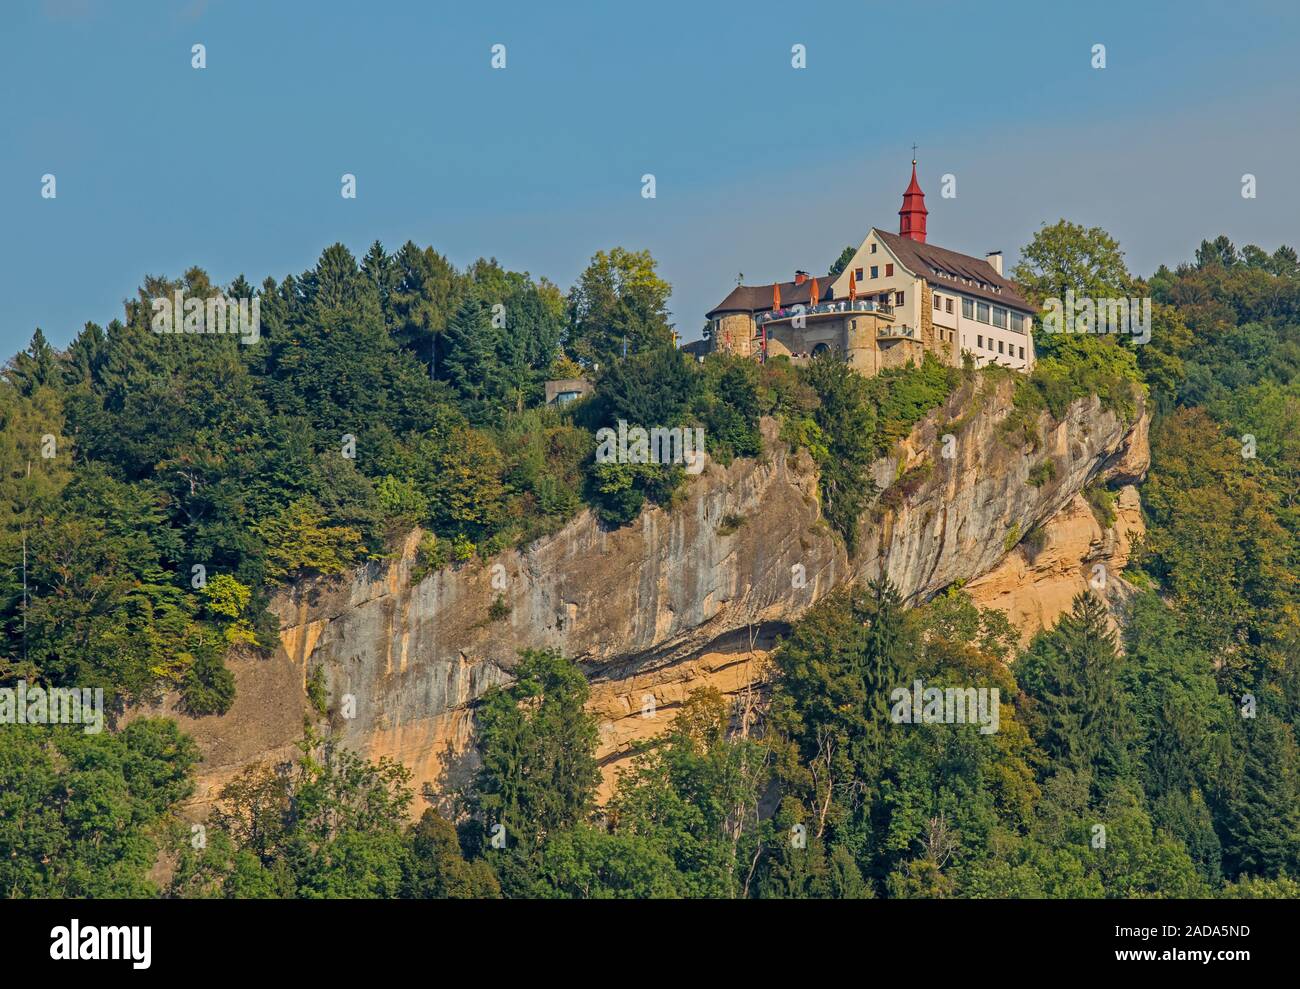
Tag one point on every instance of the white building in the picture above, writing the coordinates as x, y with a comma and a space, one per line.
932, 299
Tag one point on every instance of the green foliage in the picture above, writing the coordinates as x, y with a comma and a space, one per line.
298, 540
619, 301
536, 745
437, 870
1102, 502
1067, 257
730, 524
1078, 714
1080, 367
198, 450
857, 421
330, 825
693, 800
842, 261
229, 600
84, 815
317, 692
1012, 538
1042, 472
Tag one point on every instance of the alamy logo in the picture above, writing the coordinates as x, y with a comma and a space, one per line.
658, 445
1085, 315
237, 317
77, 943
22, 705
924, 705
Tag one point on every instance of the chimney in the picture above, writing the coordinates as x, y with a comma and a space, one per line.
800, 277
994, 258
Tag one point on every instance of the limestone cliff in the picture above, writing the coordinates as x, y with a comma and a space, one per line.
684, 598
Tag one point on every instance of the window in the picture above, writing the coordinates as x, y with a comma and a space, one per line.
1022, 353
938, 302
982, 311
873, 248
968, 308
1000, 350
947, 305
889, 270
979, 341
898, 298
857, 274
875, 271
1015, 323
999, 317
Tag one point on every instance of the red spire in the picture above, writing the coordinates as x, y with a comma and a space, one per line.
911, 218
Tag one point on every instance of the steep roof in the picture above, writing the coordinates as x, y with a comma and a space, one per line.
972, 276
758, 298
980, 280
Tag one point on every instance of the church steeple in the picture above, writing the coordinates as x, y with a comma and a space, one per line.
911, 218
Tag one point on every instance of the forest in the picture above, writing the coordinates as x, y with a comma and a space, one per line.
158, 490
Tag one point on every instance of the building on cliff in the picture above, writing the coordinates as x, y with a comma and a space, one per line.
896, 299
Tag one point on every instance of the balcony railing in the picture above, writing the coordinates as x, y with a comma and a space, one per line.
895, 332
839, 307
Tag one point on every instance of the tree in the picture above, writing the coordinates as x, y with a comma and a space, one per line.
329, 825
36, 367
618, 298
537, 746
847, 419
1219, 251
842, 261
695, 797
1261, 820
299, 540
1068, 257
80, 813
437, 870
1079, 715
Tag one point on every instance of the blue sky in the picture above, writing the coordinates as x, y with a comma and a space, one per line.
760, 168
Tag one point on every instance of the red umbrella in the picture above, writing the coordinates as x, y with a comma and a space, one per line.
853, 288
776, 296
813, 296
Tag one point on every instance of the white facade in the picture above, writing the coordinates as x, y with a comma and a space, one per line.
978, 333
967, 322
883, 274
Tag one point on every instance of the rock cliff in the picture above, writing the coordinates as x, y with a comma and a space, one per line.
683, 598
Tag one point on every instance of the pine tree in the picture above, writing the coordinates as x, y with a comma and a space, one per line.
1261, 819
1080, 716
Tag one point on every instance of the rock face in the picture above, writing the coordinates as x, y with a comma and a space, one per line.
676, 600
1036, 586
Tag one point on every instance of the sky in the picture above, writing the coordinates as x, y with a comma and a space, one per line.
759, 167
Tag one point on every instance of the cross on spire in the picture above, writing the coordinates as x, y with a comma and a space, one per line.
913, 152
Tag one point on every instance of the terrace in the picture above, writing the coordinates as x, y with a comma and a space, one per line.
824, 310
